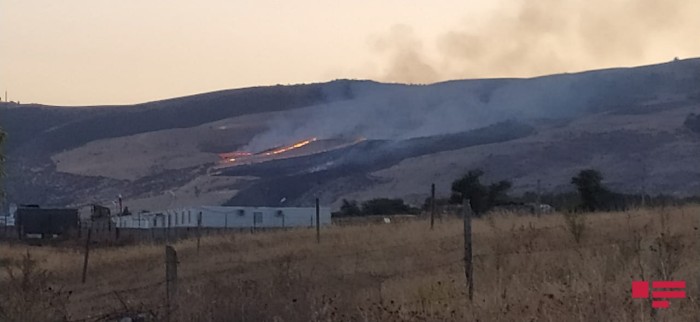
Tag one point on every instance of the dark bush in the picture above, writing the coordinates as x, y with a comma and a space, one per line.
349, 208
692, 122
482, 198
385, 206
378, 206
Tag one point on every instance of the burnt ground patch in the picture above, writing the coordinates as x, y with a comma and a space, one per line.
292, 178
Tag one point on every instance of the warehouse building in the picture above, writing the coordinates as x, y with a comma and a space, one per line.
227, 217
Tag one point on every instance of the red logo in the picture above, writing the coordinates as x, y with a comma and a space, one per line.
640, 290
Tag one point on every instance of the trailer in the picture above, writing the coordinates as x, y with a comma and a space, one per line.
35, 222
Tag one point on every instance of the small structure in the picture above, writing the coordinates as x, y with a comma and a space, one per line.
93, 212
227, 217
8, 218
32, 220
98, 212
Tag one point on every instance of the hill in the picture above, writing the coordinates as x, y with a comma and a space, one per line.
362, 139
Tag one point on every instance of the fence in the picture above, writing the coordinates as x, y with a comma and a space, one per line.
461, 257
168, 307
184, 223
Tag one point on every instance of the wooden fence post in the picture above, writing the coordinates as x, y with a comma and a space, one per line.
318, 222
167, 229
19, 226
116, 228
432, 206
199, 233
538, 204
252, 228
170, 278
87, 253
4, 235
468, 264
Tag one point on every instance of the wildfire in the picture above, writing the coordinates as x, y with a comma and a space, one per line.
242, 156
233, 156
291, 147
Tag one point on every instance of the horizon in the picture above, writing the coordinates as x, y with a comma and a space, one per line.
675, 59
86, 53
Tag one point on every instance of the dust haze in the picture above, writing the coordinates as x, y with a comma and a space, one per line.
531, 38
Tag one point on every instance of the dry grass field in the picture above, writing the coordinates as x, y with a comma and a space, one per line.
553, 268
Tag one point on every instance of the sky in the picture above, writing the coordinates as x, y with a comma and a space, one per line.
99, 52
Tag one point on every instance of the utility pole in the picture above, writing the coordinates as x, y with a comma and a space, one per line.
644, 184
432, 206
538, 211
199, 227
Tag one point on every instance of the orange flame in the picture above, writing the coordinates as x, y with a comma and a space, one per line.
242, 156
291, 147
232, 156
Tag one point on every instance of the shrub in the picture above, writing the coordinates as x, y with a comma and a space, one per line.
378, 206
349, 208
482, 198
575, 224
29, 296
692, 122
385, 206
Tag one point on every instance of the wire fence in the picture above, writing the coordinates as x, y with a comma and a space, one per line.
450, 247
453, 251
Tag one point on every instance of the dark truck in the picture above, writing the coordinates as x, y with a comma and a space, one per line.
47, 223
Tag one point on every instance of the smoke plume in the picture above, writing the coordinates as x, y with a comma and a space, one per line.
529, 38
525, 39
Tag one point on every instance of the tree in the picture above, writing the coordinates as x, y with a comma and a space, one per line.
482, 198
439, 202
350, 208
692, 122
377, 206
590, 188
498, 192
469, 187
385, 206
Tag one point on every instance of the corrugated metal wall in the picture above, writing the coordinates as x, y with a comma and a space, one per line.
227, 217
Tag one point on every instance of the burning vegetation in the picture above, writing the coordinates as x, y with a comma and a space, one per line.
242, 157
233, 156
305, 147
291, 147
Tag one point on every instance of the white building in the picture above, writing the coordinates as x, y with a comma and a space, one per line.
8, 218
227, 217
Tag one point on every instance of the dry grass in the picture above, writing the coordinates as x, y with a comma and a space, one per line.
526, 269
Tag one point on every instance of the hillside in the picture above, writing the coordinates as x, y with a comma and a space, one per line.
365, 139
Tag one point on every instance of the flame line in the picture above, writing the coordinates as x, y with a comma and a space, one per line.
291, 147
